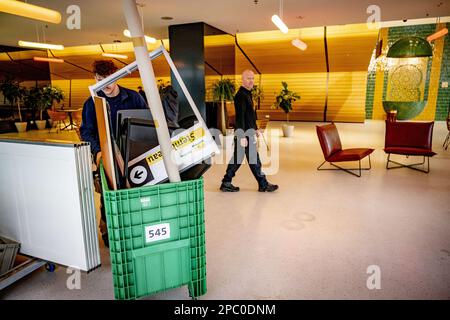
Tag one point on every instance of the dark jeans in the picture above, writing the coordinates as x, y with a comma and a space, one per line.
252, 158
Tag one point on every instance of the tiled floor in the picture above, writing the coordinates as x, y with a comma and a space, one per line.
316, 237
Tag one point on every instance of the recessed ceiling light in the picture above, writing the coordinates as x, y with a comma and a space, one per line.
166, 18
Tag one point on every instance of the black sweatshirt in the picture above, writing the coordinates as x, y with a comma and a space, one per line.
245, 114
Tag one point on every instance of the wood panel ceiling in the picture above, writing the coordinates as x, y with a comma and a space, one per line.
272, 52
349, 49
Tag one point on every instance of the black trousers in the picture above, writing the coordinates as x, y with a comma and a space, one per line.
253, 160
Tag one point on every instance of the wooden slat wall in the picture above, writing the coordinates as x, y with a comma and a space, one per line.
310, 87
345, 101
346, 96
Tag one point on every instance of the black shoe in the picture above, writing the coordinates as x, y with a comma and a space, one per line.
105, 239
228, 187
268, 188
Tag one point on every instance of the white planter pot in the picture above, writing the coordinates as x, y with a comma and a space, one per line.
229, 132
288, 130
41, 124
21, 126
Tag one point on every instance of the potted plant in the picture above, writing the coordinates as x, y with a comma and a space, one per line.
43, 98
257, 95
223, 90
14, 93
33, 100
284, 101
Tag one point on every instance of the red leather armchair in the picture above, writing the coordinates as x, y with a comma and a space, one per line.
409, 139
333, 152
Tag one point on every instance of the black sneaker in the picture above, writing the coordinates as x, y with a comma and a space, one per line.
228, 187
268, 188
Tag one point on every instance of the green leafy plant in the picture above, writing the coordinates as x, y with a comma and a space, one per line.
13, 92
42, 98
223, 90
51, 94
257, 94
285, 98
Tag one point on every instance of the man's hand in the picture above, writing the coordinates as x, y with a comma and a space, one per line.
98, 158
244, 142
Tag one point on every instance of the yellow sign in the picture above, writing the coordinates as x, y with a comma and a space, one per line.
180, 142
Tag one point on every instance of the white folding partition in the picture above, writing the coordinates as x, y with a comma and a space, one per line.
47, 201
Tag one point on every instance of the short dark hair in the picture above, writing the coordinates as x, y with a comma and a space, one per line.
104, 67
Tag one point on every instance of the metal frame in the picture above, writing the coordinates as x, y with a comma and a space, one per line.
410, 166
446, 141
20, 271
128, 69
348, 170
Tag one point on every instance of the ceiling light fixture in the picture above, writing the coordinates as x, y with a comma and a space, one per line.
42, 59
39, 45
148, 39
410, 47
114, 55
299, 44
27, 10
437, 34
277, 20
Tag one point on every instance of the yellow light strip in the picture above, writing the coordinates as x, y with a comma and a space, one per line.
148, 39
41, 45
42, 59
114, 55
27, 10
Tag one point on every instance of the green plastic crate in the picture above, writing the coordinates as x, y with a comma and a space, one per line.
142, 267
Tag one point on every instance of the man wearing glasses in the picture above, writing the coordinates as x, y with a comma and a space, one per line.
118, 98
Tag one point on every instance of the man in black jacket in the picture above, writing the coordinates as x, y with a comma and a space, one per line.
245, 138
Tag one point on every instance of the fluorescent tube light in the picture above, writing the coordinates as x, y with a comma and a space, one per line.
279, 23
148, 39
114, 55
299, 44
41, 45
27, 10
42, 59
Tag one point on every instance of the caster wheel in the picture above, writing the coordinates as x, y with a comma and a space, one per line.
50, 267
